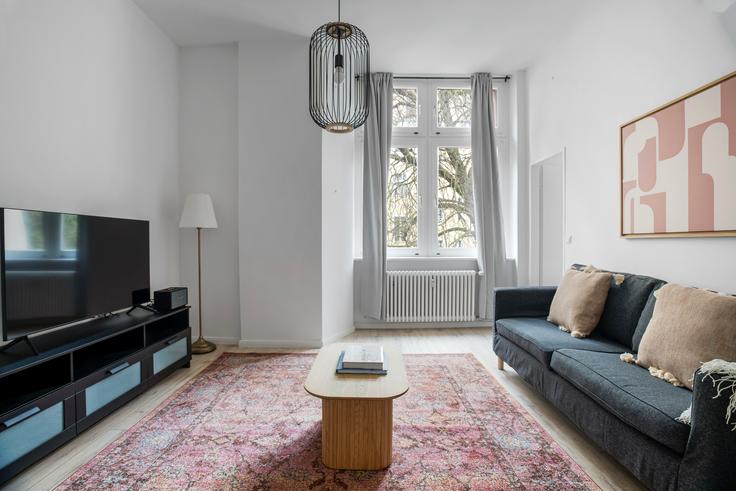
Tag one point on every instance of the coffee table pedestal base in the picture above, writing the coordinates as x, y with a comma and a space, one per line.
356, 433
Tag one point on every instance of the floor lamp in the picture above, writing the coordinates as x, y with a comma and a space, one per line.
199, 213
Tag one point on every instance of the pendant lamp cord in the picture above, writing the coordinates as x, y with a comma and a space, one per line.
339, 29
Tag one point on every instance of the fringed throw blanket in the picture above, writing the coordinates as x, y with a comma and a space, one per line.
723, 376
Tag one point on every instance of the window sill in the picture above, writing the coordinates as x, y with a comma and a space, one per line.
438, 263
431, 258
418, 263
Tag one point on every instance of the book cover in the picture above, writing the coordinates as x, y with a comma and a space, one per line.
340, 368
364, 356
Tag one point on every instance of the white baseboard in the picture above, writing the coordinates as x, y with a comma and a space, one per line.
222, 340
338, 336
280, 343
422, 325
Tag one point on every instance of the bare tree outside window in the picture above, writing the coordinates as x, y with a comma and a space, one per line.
402, 198
430, 201
453, 108
405, 113
455, 205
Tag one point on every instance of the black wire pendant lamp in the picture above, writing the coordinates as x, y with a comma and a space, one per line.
339, 64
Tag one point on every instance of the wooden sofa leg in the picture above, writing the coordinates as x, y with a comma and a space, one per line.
499, 362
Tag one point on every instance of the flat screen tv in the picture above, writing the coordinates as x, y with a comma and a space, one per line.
59, 268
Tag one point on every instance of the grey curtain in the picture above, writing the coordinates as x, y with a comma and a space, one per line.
377, 147
493, 267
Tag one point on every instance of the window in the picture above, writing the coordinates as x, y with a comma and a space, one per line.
405, 108
430, 207
430, 210
402, 198
453, 107
455, 205
32, 234
28, 230
69, 232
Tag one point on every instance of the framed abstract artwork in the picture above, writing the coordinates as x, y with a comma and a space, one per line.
678, 166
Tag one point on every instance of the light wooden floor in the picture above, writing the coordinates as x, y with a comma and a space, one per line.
52, 470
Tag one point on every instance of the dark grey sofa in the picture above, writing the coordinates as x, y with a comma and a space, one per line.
624, 409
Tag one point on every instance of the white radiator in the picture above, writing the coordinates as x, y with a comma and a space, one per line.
430, 296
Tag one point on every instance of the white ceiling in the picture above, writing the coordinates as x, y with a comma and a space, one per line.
406, 36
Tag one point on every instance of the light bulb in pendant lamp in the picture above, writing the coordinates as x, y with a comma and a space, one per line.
339, 71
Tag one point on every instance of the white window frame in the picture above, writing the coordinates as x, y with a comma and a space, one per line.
434, 143
427, 137
423, 112
436, 130
53, 229
418, 143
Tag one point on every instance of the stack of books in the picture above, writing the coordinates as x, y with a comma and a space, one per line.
365, 359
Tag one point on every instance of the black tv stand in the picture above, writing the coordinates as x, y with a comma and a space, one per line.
15, 342
142, 306
78, 375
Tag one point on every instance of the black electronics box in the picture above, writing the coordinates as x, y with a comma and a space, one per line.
170, 298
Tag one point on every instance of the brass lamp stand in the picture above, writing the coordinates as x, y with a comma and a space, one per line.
201, 345
199, 213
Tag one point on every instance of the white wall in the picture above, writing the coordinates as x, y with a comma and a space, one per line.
728, 19
622, 60
208, 136
337, 235
519, 158
88, 116
280, 203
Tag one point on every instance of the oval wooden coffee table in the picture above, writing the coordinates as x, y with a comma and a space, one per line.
357, 410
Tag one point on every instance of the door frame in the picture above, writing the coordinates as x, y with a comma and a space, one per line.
536, 216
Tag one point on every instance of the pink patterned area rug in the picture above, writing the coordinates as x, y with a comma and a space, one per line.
246, 423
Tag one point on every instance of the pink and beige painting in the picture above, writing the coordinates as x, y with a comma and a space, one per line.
678, 166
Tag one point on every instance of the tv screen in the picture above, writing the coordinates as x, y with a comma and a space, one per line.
59, 268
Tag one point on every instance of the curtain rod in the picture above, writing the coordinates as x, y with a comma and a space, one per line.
505, 78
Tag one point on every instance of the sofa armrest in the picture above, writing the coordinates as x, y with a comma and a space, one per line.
708, 463
530, 301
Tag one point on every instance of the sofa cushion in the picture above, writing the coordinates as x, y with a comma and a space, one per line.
540, 338
646, 316
646, 403
579, 300
689, 326
624, 306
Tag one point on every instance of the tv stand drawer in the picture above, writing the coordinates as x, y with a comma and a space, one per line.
173, 351
31, 432
123, 378
47, 421
102, 392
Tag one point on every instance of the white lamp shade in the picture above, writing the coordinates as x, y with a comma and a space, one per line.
198, 212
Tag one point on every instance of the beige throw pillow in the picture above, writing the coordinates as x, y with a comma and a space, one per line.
688, 327
578, 303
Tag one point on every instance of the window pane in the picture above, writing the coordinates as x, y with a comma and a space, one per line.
69, 231
405, 108
453, 108
402, 198
24, 230
455, 212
